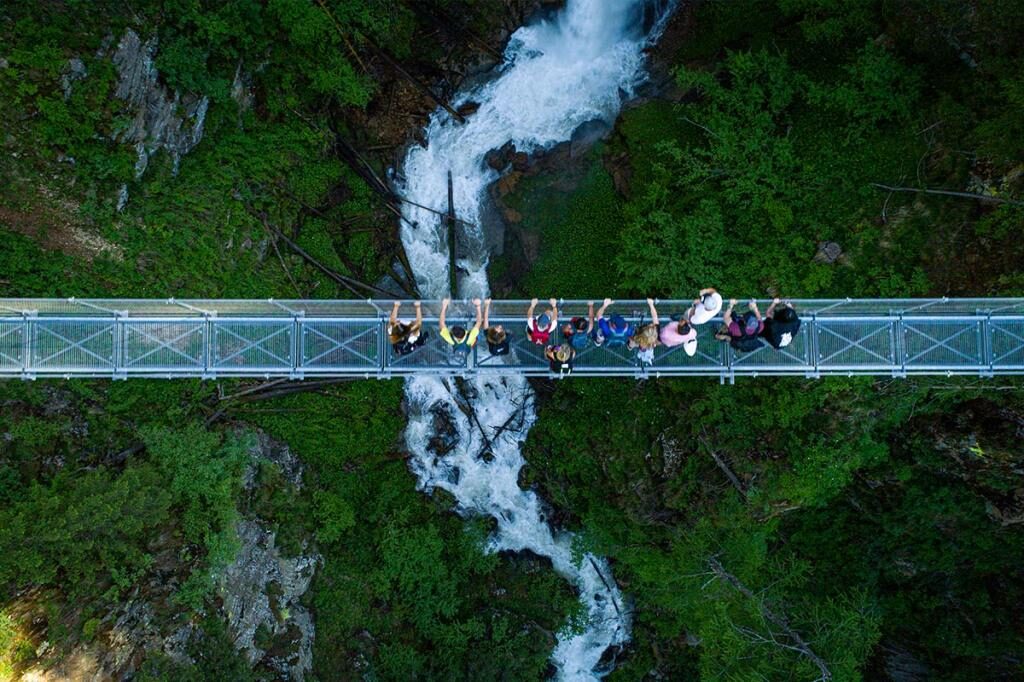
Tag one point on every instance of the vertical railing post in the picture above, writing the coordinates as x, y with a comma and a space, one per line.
28, 344
209, 320
898, 341
812, 346
296, 346
119, 370
987, 352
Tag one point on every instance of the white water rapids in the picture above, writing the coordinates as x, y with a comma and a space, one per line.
556, 75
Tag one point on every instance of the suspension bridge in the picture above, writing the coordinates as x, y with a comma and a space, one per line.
210, 339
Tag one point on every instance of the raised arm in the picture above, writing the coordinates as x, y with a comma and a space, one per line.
604, 306
590, 317
393, 320
476, 302
654, 311
771, 309
753, 308
554, 313
444, 312
727, 317
529, 313
487, 313
419, 314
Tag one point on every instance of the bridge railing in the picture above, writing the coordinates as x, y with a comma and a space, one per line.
123, 338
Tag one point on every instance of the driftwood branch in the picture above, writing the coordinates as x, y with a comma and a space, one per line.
724, 466
780, 621
949, 193
349, 283
611, 593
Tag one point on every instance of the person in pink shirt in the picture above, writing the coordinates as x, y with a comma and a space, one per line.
676, 332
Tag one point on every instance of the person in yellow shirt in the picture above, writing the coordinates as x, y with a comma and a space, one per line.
458, 338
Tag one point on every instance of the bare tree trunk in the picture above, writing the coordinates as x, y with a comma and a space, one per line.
949, 193
733, 478
776, 619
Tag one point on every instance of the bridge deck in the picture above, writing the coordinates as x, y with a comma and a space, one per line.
169, 339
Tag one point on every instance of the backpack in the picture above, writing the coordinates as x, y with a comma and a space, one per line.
538, 336
614, 337
578, 339
460, 351
404, 347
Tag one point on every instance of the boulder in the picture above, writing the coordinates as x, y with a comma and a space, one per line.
828, 253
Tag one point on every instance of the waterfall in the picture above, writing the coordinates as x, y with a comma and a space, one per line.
556, 75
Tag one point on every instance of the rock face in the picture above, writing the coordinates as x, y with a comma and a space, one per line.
161, 119
261, 592
73, 71
261, 589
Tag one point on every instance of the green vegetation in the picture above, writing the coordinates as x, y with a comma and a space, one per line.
869, 519
761, 530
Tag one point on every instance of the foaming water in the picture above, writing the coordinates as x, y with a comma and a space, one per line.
556, 75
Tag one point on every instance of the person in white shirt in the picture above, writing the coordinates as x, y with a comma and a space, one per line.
705, 306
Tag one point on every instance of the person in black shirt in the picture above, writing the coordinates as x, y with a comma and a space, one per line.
781, 324
497, 339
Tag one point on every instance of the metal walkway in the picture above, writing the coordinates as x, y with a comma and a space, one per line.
231, 338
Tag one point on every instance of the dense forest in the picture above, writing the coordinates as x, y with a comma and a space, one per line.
776, 529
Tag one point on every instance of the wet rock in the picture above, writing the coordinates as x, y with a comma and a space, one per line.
608, 659
267, 449
445, 433
73, 71
520, 161
4, 63
828, 253
527, 561
468, 109
160, 119
499, 159
587, 135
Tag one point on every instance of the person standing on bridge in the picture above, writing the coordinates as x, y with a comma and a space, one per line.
677, 332
406, 337
538, 329
560, 358
497, 339
781, 324
742, 331
458, 338
577, 331
645, 340
707, 304
611, 331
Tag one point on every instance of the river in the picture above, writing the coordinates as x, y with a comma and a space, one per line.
577, 66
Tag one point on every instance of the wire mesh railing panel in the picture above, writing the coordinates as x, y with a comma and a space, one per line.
867, 343
434, 355
1007, 341
252, 345
523, 353
171, 346
710, 354
941, 343
796, 355
341, 345
73, 345
12, 345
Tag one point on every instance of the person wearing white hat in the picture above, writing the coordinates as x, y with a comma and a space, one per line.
707, 304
